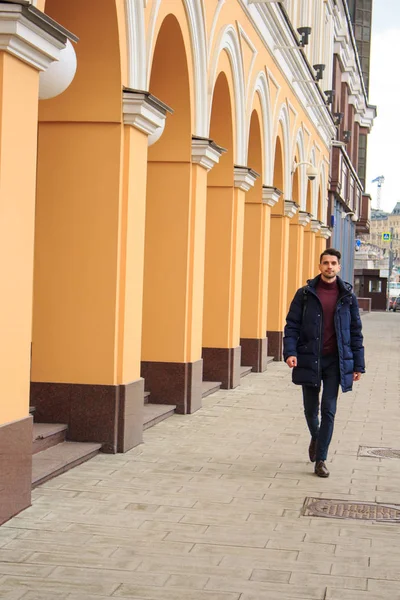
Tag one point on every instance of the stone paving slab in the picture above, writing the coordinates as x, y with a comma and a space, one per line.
210, 506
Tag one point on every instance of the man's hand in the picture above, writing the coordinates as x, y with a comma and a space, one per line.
356, 376
291, 361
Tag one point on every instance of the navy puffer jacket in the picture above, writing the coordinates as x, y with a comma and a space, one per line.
304, 335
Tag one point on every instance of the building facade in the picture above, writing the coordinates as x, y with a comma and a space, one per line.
349, 206
159, 213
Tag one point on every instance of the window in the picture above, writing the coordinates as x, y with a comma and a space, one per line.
375, 286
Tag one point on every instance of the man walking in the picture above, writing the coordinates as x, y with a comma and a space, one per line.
323, 343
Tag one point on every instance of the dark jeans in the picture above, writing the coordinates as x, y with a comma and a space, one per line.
330, 389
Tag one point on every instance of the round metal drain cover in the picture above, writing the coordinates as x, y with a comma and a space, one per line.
341, 509
378, 452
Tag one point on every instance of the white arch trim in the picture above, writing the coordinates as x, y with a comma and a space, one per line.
287, 167
301, 151
228, 40
314, 188
140, 75
136, 42
261, 88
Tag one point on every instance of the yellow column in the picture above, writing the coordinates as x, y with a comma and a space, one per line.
223, 279
278, 278
20, 62
296, 250
257, 226
174, 277
310, 250
320, 243
89, 247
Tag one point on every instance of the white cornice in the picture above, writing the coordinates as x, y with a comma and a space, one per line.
22, 36
143, 111
270, 195
304, 218
291, 208
315, 225
205, 153
244, 178
268, 21
325, 232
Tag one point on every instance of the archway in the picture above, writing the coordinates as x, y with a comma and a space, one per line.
257, 223
309, 237
224, 243
296, 236
279, 256
83, 372
171, 357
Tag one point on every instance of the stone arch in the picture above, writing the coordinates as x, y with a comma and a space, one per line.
261, 88
137, 59
314, 187
196, 53
228, 42
283, 127
300, 151
322, 195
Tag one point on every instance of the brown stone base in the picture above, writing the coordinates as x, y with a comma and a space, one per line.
255, 353
111, 415
275, 344
222, 364
15, 467
174, 383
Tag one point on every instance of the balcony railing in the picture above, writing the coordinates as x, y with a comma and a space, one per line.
345, 183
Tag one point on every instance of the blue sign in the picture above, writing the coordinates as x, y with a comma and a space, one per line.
358, 243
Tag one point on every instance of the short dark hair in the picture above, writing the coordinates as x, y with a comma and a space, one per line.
331, 252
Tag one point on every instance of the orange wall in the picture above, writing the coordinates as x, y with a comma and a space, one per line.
76, 254
18, 136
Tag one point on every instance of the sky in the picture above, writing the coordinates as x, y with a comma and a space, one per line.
384, 141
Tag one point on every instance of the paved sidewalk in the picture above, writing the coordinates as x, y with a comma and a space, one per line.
209, 508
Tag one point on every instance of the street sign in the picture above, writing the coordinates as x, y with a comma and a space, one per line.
386, 236
358, 243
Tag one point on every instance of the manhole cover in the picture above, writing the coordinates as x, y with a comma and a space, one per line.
378, 452
343, 509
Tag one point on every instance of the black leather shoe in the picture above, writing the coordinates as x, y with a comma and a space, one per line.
312, 450
320, 469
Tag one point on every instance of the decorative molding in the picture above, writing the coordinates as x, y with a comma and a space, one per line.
244, 177
315, 225
31, 36
205, 152
304, 218
270, 195
325, 232
143, 110
291, 208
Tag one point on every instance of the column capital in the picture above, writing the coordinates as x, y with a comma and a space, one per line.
325, 232
315, 225
30, 35
205, 152
144, 111
270, 195
244, 177
304, 218
291, 208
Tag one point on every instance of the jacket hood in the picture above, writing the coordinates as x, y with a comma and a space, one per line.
344, 286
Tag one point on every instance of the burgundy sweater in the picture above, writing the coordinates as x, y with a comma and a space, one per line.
328, 293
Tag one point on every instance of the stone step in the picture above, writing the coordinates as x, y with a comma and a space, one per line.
58, 459
270, 359
209, 387
245, 371
154, 413
146, 397
46, 435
